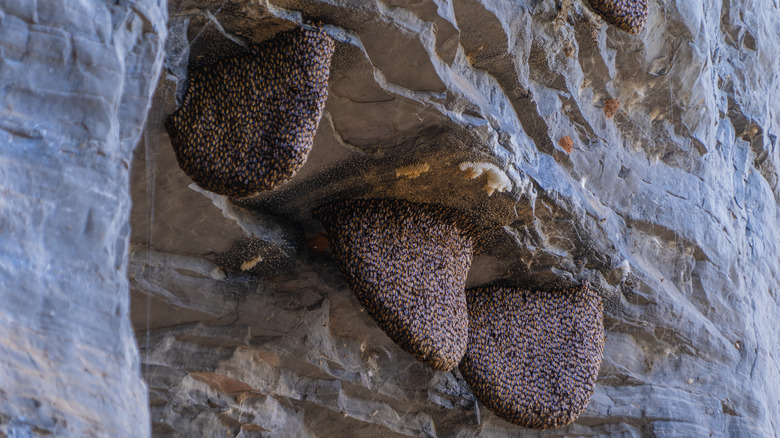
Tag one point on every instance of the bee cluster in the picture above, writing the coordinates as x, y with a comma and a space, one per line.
627, 15
407, 265
533, 357
247, 123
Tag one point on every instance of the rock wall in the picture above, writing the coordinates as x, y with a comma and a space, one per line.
665, 200
76, 81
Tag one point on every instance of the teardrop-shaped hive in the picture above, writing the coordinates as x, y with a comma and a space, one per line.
627, 15
407, 265
533, 357
247, 123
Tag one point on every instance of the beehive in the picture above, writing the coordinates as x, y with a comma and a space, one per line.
533, 357
628, 15
247, 123
407, 265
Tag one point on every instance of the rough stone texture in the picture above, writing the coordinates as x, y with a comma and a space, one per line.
76, 81
669, 208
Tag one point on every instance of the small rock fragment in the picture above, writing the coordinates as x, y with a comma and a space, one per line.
568, 49
218, 274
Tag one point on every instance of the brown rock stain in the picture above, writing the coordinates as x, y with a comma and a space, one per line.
566, 143
318, 242
611, 107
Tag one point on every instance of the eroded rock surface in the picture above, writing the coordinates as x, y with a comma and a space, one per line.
76, 81
667, 203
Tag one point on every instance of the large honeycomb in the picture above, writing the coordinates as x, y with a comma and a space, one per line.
407, 265
247, 123
628, 15
533, 356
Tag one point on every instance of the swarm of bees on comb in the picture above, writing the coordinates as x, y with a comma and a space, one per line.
628, 15
407, 265
247, 123
533, 357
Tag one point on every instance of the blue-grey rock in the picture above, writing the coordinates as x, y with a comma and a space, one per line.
76, 81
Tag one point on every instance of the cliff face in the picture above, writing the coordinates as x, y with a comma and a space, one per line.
665, 200
76, 80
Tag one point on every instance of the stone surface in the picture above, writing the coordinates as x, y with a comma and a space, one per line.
77, 80
668, 207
